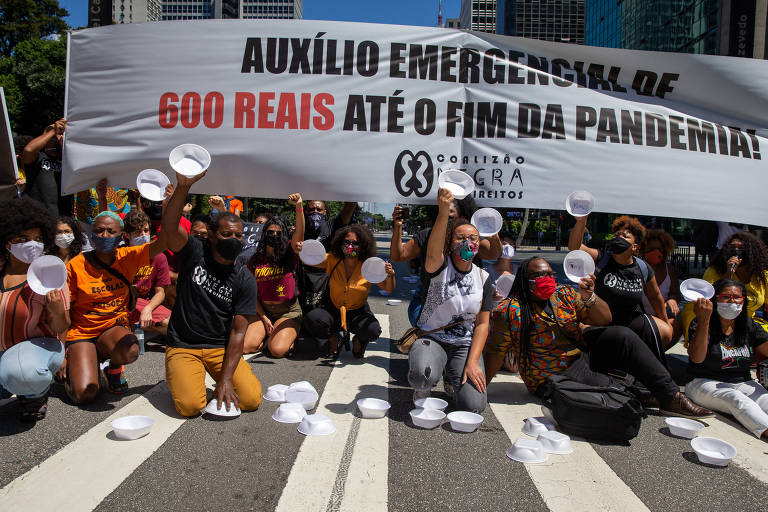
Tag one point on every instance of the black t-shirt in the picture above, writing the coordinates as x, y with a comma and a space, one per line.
208, 295
623, 287
724, 361
422, 239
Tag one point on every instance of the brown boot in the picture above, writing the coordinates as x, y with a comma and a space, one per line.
681, 405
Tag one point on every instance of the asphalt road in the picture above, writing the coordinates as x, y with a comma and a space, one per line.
71, 461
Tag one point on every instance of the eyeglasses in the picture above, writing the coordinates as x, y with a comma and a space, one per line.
472, 238
542, 274
353, 243
730, 298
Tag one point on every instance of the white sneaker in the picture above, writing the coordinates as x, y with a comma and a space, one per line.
418, 394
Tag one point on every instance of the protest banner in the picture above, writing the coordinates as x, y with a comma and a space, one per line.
10, 171
366, 112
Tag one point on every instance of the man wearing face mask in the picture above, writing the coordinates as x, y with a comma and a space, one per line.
42, 162
215, 302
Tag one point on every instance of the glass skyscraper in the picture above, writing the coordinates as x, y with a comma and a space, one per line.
548, 20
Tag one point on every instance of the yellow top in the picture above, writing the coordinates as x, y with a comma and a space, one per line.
352, 293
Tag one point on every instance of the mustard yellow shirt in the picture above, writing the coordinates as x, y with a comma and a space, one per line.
351, 292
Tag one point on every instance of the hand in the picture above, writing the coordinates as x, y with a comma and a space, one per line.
673, 307
53, 302
703, 309
396, 219
388, 269
295, 199
169, 188
587, 287
444, 199
225, 394
299, 245
497, 296
268, 327
60, 126
473, 372
21, 183
145, 319
185, 181
733, 261
187, 207
217, 203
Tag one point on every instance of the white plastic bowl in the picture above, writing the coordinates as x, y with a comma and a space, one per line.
577, 265
427, 418
312, 252
189, 159
431, 403
151, 184
132, 427
683, 427
528, 451
555, 442
373, 407
276, 393
693, 289
711, 450
302, 384
316, 425
289, 413
504, 284
394, 302
464, 421
580, 203
306, 397
488, 221
374, 270
46, 273
459, 183
535, 426
211, 408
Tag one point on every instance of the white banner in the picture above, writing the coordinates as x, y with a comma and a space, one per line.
365, 112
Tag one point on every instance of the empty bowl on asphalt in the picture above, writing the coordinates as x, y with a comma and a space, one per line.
529, 451
312, 252
457, 182
580, 203
464, 421
374, 270
555, 442
693, 289
431, 403
394, 302
535, 426
577, 265
683, 427
151, 184
373, 407
276, 393
289, 413
711, 450
504, 284
306, 397
488, 221
212, 408
316, 425
46, 273
132, 427
427, 418
189, 159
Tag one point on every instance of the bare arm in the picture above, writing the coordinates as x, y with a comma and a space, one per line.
146, 313
172, 234
596, 310
656, 299
697, 348
389, 283
436, 244
490, 248
576, 237
298, 233
36, 145
399, 251
225, 390
347, 212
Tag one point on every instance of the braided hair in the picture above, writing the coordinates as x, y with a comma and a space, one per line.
755, 255
522, 293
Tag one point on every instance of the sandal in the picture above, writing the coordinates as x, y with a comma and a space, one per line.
358, 347
116, 381
33, 409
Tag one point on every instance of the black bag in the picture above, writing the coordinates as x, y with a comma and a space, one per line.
600, 412
312, 283
133, 293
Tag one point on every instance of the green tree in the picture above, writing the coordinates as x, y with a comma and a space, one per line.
24, 20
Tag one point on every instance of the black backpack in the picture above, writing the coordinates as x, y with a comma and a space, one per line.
312, 283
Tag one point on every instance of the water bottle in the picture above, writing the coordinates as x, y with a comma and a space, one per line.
139, 333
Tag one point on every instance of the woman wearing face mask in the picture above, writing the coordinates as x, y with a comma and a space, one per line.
623, 280
348, 292
458, 298
274, 265
69, 239
656, 247
723, 343
150, 281
100, 284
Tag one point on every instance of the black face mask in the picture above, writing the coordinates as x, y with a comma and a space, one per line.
229, 248
739, 253
273, 241
618, 245
315, 221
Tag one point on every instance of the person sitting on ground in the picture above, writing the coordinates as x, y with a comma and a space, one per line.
69, 239
216, 301
347, 308
623, 280
26, 228
150, 281
656, 247
273, 265
723, 344
541, 322
458, 298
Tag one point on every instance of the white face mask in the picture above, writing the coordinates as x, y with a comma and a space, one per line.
507, 252
140, 240
64, 240
729, 310
27, 252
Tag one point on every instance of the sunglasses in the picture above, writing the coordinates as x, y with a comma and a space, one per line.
353, 243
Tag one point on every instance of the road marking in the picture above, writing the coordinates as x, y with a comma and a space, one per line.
581, 481
349, 469
83, 473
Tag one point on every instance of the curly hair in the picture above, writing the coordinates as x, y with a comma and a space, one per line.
76, 247
664, 238
364, 236
282, 255
134, 220
755, 255
631, 224
17, 215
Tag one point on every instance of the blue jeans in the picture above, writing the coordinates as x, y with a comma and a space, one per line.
414, 308
27, 368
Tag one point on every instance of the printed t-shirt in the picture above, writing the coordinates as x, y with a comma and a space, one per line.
725, 361
554, 335
351, 293
275, 283
208, 296
100, 300
22, 314
454, 296
622, 287
151, 276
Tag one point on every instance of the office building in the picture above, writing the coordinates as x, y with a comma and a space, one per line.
548, 20
136, 11
452, 23
189, 9
272, 9
478, 15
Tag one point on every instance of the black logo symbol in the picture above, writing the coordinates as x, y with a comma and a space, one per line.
414, 173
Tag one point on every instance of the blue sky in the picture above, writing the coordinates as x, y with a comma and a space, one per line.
400, 12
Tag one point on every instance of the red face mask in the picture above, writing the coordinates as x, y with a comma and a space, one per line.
654, 257
544, 287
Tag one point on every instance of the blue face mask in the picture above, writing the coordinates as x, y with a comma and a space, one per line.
104, 244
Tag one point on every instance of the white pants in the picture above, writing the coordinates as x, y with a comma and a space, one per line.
746, 401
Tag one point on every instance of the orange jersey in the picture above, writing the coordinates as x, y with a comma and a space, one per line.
99, 300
